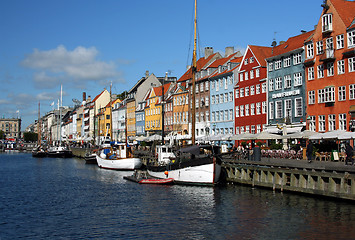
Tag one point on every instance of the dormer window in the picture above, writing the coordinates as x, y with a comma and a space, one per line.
327, 23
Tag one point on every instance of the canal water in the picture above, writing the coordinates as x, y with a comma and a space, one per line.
68, 199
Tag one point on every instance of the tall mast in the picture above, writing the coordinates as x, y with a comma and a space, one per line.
39, 124
162, 109
60, 114
193, 97
111, 112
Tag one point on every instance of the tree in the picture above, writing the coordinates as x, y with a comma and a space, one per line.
122, 95
30, 137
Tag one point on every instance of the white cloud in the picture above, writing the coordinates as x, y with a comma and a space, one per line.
61, 65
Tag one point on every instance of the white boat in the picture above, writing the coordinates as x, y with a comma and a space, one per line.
194, 165
117, 157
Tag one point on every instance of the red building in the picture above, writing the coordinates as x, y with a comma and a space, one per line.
250, 92
330, 68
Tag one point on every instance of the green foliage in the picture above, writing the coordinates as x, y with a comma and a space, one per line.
275, 146
30, 137
122, 95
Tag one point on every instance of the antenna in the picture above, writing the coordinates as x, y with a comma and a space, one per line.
76, 101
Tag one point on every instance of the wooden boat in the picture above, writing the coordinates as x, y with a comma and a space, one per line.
141, 177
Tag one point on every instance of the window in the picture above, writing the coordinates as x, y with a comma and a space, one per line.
217, 99
246, 76
230, 96
237, 93
298, 107
287, 62
252, 109
342, 93
271, 110
327, 23
297, 79
297, 59
242, 92
257, 89
341, 67
263, 87
352, 92
321, 121
236, 130
237, 111
225, 83
271, 67
207, 101
311, 97
329, 94
278, 109
221, 98
242, 110
312, 123
226, 97
330, 69
251, 74
321, 95
271, 85
230, 114
246, 109
277, 64
213, 116
251, 60
352, 64
329, 47
201, 87
246, 91
258, 108
310, 73
278, 83
207, 85
257, 72
320, 70
331, 122
264, 108
342, 121
241, 77
212, 99
258, 128
351, 39
310, 50
319, 47
288, 108
340, 41
252, 90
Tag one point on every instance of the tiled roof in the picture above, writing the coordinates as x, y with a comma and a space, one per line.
346, 10
261, 53
291, 44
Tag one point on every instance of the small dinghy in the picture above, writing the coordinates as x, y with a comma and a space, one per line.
142, 178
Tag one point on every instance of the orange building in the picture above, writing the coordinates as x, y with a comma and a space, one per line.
330, 68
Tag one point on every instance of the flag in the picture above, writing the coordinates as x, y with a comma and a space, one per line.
52, 104
17, 111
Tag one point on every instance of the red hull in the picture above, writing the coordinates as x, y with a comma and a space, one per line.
157, 181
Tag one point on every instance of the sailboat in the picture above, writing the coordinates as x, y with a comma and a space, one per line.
118, 156
192, 165
59, 151
39, 150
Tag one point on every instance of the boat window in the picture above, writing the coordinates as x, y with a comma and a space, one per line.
163, 150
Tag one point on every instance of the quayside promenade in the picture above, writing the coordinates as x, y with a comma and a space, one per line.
323, 178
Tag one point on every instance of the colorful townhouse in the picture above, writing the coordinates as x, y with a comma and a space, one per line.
119, 121
140, 119
250, 92
330, 68
222, 82
180, 110
286, 84
202, 94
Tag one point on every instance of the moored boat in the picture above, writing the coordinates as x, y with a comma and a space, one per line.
59, 152
142, 178
118, 157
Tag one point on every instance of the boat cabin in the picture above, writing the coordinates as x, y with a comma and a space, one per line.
165, 153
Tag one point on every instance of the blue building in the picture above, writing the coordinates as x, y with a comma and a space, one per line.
140, 119
222, 83
286, 84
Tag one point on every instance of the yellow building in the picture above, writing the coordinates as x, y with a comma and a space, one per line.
104, 119
131, 117
153, 110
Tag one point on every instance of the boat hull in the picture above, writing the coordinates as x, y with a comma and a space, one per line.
206, 174
60, 154
39, 154
119, 164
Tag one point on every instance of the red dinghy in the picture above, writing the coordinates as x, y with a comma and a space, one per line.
157, 181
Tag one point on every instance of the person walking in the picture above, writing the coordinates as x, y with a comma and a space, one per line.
349, 154
309, 151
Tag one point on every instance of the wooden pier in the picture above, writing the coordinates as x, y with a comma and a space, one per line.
330, 179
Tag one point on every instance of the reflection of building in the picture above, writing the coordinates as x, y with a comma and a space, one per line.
330, 68
11, 127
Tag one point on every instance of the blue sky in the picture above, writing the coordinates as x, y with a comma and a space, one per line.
86, 44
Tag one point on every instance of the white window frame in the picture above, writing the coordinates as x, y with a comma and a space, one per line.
351, 64
351, 39
310, 50
342, 93
331, 122
311, 97
321, 123
330, 69
271, 110
278, 110
342, 121
297, 77
341, 66
297, 59
298, 107
340, 41
310, 73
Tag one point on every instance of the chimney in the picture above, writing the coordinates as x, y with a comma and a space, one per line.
281, 42
146, 74
89, 99
84, 96
274, 44
229, 51
208, 52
